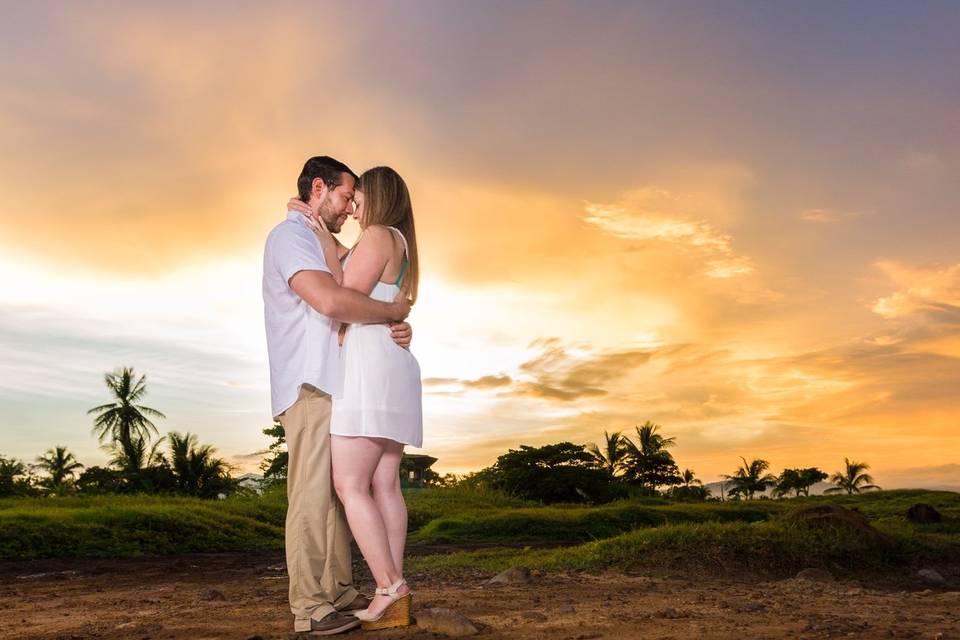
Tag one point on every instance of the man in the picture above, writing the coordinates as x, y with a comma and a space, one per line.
302, 304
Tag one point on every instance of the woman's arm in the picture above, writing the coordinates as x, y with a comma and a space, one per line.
329, 245
369, 258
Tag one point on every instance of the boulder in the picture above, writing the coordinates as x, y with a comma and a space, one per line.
931, 576
445, 621
212, 594
922, 513
831, 516
513, 575
815, 575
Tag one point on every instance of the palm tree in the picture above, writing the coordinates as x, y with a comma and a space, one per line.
61, 465
647, 462
12, 472
853, 480
123, 420
196, 469
750, 478
135, 455
614, 452
689, 479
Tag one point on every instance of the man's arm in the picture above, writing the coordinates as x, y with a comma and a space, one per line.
320, 291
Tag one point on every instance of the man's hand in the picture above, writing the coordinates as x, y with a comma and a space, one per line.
402, 333
402, 305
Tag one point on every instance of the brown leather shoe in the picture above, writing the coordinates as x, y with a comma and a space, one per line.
332, 624
359, 603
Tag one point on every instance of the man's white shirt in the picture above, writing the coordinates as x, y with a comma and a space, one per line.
301, 343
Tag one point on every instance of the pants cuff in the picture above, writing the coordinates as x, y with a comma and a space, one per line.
345, 598
301, 625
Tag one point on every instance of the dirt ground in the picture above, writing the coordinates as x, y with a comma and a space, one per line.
244, 596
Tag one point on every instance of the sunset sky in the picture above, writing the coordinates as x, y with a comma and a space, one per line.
739, 220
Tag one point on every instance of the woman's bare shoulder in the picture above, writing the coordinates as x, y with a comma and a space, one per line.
377, 237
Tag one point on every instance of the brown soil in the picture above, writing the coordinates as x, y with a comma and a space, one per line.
243, 596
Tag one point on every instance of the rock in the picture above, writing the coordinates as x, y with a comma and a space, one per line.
445, 621
923, 513
536, 616
815, 575
212, 594
513, 575
831, 516
931, 576
566, 608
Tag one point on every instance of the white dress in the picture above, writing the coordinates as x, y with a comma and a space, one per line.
381, 393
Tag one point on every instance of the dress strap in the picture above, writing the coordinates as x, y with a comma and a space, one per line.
406, 249
406, 252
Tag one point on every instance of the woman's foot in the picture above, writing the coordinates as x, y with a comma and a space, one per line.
380, 602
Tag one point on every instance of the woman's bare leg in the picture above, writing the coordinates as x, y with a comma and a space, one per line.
389, 500
354, 461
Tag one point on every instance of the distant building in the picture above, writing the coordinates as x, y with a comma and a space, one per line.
415, 470
251, 481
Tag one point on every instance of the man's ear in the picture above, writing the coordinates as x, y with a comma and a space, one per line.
319, 188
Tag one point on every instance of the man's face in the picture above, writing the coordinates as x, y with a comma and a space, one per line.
336, 204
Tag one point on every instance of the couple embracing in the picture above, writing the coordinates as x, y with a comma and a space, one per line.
345, 389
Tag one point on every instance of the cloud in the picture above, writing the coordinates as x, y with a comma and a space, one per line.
484, 382
827, 215
566, 374
920, 289
654, 214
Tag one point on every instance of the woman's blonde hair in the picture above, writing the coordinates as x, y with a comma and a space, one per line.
387, 202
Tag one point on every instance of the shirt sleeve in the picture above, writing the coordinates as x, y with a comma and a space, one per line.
293, 252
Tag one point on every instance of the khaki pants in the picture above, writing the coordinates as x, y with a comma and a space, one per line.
317, 535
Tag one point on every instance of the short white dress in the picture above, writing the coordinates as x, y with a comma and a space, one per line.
381, 392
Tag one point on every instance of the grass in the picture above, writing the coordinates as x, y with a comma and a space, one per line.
650, 534
119, 526
550, 524
123, 526
773, 547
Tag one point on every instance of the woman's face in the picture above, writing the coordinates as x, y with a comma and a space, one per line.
359, 211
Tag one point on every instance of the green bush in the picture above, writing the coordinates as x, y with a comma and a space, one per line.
550, 524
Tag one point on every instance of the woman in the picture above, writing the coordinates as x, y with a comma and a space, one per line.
379, 410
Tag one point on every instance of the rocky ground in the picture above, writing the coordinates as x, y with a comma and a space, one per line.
244, 596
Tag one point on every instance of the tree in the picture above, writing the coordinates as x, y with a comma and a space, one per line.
15, 478
647, 463
274, 466
750, 479
61, 466
613, 454
195, 469
690, 489
798, 481
135, 455
98, 480
123, 420
562, 472
853, 479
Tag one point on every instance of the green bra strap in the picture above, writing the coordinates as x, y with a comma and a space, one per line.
403, 271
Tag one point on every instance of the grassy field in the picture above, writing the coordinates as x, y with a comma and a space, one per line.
754, 535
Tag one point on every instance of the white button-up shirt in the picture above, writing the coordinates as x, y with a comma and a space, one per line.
300, 341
